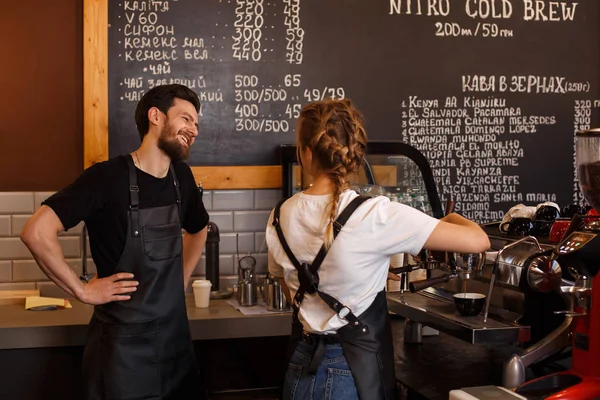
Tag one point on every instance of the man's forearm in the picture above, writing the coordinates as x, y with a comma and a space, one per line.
193, 245
49, 256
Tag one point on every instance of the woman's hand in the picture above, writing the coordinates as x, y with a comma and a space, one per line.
393, 276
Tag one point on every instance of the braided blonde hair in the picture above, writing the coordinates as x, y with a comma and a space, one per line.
334, 132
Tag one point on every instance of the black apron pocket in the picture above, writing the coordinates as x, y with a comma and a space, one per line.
162, 242
130, 354
340, 385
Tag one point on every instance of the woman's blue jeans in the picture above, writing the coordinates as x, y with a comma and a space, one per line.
333, 380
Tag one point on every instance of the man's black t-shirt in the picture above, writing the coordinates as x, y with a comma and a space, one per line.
100, 198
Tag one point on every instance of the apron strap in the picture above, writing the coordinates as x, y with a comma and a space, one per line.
342, 311
134, 203
281, 237
134, 195
178, 192
317, 357
311, 284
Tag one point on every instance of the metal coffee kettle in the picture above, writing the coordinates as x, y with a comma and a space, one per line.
246, 287
273, 296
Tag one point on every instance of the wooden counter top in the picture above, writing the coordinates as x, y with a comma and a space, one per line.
20, 328
431, 368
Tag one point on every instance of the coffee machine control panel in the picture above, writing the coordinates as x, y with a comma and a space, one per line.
575, 242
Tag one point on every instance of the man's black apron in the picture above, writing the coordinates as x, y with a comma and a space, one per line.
366, 341
141, 348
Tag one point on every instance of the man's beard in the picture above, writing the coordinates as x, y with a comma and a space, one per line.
170, 144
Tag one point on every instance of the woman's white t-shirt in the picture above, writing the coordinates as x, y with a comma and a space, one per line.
356, 266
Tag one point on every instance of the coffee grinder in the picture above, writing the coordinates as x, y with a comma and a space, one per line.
579, 254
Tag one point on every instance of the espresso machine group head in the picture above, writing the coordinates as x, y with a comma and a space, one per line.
579, 254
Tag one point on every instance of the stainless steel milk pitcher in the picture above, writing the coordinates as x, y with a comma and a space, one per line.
273, 296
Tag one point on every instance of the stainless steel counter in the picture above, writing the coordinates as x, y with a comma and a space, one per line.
433, 308
20, 328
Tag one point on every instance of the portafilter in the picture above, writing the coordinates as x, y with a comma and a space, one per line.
461, 265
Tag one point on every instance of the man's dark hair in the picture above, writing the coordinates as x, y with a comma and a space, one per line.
161, 97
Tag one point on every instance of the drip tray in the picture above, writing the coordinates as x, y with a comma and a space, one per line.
439, 313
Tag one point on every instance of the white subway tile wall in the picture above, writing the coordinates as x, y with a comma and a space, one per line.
241, 216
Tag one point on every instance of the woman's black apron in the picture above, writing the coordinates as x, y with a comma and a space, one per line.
141, 348
366, 340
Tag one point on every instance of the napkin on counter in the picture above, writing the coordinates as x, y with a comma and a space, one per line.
258, 309
45, 303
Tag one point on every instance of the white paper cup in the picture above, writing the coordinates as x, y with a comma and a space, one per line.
202, 292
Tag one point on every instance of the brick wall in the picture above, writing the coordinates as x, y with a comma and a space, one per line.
236, 212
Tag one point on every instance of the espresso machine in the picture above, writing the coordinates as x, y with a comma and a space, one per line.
518, 285
579, 253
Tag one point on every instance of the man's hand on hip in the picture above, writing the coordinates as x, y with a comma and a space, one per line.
112, 288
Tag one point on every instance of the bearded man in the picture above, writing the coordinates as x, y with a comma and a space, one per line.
134, 207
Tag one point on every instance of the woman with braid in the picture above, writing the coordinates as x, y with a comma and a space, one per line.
331, 250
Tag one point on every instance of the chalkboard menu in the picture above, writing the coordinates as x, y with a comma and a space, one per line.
491, 91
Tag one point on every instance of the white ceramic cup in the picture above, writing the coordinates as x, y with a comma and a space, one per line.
202, 292
547, 203
521, 211
518, 211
